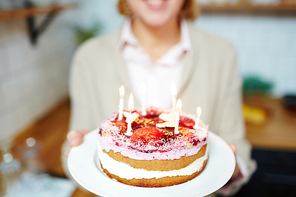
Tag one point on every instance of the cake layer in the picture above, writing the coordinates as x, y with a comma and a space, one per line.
158, 165
156, 182
125, 171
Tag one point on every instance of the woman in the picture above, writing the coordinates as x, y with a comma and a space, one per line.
158, 45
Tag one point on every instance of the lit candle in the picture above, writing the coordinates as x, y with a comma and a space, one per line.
198, 112
174, 94
178, 109
129, 120
143, 92
120, 111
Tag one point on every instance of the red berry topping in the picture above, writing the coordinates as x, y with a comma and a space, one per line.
153, 113
184, 130
139, 123
190, 125
121, 124
186, 122
188, 137
147, 134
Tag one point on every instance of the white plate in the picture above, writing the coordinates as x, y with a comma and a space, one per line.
83, 167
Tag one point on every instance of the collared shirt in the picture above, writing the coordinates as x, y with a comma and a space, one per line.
157, 76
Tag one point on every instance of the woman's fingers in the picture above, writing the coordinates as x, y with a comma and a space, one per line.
236, 172
75, 137
233, 147
67, 151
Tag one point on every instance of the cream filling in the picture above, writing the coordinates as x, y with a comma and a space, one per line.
126, 171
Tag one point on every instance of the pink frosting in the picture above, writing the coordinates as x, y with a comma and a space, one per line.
138, 155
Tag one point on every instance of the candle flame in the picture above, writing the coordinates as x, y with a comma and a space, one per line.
121, 91
143, 88
173, 89
131, 102
198, 111
179, 105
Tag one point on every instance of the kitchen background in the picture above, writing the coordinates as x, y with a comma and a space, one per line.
34, 78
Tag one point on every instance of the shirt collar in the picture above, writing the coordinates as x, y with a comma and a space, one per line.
127, 36
177, 51
185, 36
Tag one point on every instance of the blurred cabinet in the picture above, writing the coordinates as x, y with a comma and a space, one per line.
275, 175
274, 149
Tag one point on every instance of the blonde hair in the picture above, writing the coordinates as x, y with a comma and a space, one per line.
188, 11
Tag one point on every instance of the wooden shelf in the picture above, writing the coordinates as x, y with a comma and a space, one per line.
247, 7
30, 12
34, 11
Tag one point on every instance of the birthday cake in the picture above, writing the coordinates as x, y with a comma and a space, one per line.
152, 153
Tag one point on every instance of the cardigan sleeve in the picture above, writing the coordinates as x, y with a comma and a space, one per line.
80, 108
231, 124
80, 92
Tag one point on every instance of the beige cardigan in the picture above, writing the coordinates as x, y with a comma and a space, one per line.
210, 79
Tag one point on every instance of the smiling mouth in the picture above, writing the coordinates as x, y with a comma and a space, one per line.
156, 4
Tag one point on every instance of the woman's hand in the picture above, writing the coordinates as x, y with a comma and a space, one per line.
237, 171
227, 188
75, 138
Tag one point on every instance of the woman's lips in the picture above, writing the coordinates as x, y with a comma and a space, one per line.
156, 4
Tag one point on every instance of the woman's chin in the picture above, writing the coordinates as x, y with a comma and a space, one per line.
156, 21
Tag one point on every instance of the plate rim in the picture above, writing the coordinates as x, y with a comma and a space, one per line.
89, 141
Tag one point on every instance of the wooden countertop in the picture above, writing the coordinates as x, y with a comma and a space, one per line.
278, 132
51, 131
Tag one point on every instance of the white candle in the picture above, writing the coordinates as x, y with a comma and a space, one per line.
129, 120
198, 112
120, 111
174, 94
143, 92
178, 109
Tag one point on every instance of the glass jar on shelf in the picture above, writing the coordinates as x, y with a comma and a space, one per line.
10, 170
